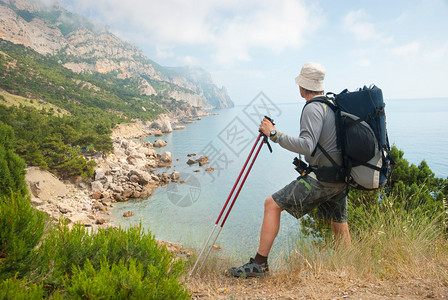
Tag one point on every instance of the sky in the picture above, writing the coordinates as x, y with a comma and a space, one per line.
250, 46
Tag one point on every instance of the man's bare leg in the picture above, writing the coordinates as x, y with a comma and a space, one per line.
341, 233
270, 226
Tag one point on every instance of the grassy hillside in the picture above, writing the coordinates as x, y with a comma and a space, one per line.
29, 74
57, 114
10, 99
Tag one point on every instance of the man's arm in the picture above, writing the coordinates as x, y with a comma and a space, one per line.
311, 124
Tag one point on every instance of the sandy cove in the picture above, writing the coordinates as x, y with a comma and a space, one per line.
131, 171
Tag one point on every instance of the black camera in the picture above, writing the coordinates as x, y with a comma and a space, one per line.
301, 166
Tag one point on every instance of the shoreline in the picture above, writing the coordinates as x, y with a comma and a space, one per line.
129, 172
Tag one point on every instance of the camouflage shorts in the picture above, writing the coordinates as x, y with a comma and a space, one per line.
306, 193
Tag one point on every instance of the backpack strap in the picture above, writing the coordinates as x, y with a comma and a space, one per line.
327, 155
327, 101
322, 99
372, 166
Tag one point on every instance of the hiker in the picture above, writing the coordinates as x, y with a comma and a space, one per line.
317, 124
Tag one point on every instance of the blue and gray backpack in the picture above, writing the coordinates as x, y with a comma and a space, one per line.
361, 137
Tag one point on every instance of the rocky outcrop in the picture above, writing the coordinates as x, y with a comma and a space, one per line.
202, 161
159, 144
191, 98
140, 129
204, 86
131, 171
35, 33
133, 130
128, 214
84, 47
163, 123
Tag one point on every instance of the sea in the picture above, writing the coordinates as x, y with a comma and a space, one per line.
186, 212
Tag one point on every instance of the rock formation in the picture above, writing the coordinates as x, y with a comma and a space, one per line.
131, 171
84, 47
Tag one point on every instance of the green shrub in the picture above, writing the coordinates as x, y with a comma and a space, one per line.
110, 256
121, 281
399, 231
415, 192
15, 289
21, 230
12, 173
387, 244
63, 250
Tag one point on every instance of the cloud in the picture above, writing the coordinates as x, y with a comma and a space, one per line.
190, 60
364, 63
230, 30
163, 52
406, 50
438, 53
355, 22
272, 26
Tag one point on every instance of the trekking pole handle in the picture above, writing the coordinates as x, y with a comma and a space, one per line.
270, 120
265, 137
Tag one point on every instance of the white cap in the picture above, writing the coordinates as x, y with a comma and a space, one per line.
311, 77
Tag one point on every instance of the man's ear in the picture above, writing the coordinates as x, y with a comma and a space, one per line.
302, 92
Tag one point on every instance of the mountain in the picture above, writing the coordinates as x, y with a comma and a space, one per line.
59, 116
84, 47
217, 97
42, 81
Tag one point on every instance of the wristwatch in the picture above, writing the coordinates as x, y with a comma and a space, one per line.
273, 133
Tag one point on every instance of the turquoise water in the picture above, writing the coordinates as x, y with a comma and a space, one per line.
187, 212
419, 128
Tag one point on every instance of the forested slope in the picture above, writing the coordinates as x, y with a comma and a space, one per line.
64, 114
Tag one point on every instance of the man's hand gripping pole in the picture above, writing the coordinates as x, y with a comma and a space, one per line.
265, 137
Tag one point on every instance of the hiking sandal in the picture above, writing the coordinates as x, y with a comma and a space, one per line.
250, 269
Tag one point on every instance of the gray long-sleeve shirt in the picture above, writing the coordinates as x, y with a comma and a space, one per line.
317, 124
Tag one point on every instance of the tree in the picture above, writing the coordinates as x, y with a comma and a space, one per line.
12, 167
103, 143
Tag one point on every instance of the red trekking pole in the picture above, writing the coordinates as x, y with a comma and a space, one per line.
263, 140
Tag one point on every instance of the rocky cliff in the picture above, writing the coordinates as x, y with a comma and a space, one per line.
204, 86
83, 46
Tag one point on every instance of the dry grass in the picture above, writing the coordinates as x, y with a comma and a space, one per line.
10, 99
345, 273
398, 258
